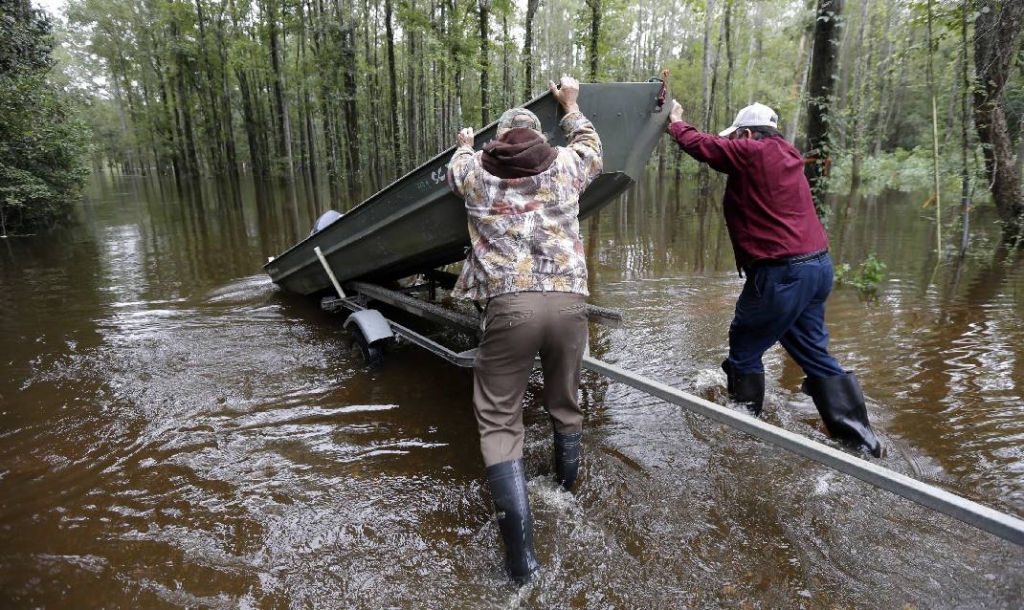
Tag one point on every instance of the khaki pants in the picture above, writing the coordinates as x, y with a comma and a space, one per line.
518, 326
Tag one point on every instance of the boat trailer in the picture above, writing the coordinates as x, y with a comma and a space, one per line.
373, 331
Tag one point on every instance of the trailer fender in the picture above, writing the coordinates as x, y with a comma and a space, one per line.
372, 324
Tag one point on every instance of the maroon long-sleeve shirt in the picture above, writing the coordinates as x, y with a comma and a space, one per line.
768, 206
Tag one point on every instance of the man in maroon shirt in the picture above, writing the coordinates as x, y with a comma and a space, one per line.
781, 247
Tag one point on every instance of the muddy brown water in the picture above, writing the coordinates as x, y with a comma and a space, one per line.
176, 432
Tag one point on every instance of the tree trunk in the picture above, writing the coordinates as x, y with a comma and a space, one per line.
411, 108
121, 104
805, 57
227, 122
703, 174
595, 37
965, 176
320, 45
857, 113
351, 108
284, 127
485, 66
251, 120
935, 139
531, 12
170, 134
726, 27
506, 68
396, 138
211, 114
996, 31
820, 97
705, 75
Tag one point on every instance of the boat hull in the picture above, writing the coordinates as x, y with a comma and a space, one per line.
418, 223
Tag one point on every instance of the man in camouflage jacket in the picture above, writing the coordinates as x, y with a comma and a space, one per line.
527, 263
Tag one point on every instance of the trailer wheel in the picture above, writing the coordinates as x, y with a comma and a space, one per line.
373, 354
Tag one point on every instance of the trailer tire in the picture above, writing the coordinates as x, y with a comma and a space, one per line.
373, 353
371, 331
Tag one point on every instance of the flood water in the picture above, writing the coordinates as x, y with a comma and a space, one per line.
177, 432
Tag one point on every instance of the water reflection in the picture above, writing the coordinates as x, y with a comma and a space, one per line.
179, 433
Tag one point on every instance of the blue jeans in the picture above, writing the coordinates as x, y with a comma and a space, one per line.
785, 303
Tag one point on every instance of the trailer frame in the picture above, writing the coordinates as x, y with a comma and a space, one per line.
362, 294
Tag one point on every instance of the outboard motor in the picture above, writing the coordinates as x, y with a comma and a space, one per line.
325, 219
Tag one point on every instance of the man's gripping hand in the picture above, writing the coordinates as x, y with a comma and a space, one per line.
465, 137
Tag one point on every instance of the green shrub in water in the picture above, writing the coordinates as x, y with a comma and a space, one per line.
865, 277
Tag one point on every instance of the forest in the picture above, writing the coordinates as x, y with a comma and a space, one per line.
347, 95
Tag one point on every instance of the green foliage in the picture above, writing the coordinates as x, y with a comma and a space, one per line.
41, 143
182, 83
903, 170
866, 277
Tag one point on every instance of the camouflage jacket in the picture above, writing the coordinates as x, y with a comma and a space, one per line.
525, 232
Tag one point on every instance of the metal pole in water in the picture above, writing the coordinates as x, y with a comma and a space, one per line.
984, 518
330, 274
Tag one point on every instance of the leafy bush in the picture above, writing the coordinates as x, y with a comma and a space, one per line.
41, 144
866, 277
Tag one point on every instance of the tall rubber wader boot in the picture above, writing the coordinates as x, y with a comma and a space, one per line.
747, 390
841, 405
508, 490
567, 458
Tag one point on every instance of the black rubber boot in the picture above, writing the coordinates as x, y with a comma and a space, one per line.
508, 490
567, 458
747, 390
841, 404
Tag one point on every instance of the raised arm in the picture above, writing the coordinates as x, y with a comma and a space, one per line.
722, 154
579, 131
460, 168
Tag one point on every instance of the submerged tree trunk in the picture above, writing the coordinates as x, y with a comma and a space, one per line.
819, 101
996, 31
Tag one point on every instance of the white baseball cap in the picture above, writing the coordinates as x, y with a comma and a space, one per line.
754, 115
